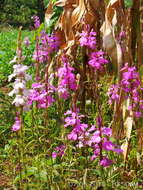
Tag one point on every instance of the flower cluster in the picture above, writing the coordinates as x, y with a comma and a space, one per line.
17, 125
67, 80
36, 21
26, 41
59, 151
113, 93
130, 85
88, 39
91, 136
19, 86
45, 46
38, 94
96, 59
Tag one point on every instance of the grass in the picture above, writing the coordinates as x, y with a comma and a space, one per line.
8, 36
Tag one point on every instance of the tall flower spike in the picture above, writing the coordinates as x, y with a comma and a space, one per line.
67, 79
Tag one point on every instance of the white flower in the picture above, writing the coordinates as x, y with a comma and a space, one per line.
20, 69
19, 100
26, 92
19, 85
14, 91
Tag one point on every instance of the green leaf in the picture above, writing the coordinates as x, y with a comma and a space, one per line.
128, 3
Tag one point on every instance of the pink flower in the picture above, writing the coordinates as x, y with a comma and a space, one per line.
108, 145
88, 39
45, 46
95, 138
67, 79
113, 93
54, 154
72, 136
36, 21
105, 162
107, 131
59, 151
97, 61
118, 150
137, 114
16, 125
26, 41
38, 94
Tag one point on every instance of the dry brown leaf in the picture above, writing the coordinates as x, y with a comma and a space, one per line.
66, 24
140, 138
128, 124
61, 3
110, 43
94, 4
78, 13
49, 12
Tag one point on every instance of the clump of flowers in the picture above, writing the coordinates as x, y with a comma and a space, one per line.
36, 21
59, 151
38, 94
26, 41
130, 86
113, 93
67, 79
96, 59
88, 39
91, 136
46, 45
17, 125
19, 87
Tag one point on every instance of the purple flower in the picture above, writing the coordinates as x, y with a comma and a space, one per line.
105, 162
113, 93
88, 39
95, 138
107, 131
137, 114
17, 124
36, 21
59, 151
38, 94
108, 145
118, 150
45, 46
54, 154
85, 136
26, 41
67, 79
97, 61
70, 121
72, 136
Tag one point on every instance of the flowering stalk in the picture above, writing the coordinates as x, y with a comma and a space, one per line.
99, 123
21, 96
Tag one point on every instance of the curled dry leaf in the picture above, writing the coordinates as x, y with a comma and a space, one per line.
61, 3
128, 124
78, 13
49, 12
110, 43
